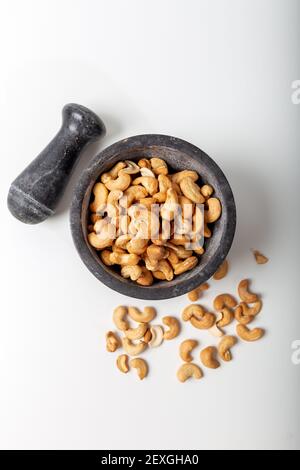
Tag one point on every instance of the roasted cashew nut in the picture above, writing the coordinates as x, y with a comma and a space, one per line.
112, 341
146, 278
164, 266
113, 173
188, 370
100, 192
259, 257
105, 256
208, 357
124, 259
133, 349
136, 333
131, 168
159, 166
133, 194
132, 272
185, 265
207, 190
205, 323
174, 327
122, 363
245, 295
137, 245
241, 316
181, 175
221, 271
149, 183
249, 335
141, 366
142, 317
214, 210
148, 336
122, 182
164, 183
147, 172
186, 348
224, 347
224, 317
224, 300
193, 310
119, 315
191, 190
170, 207
157, 337
105, 238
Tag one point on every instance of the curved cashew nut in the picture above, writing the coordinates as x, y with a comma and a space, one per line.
245, 295
118, 318
146, 278
144, 163
180, 175
214, 210
132, 272
224, 317
149, 183
186, 265
133, 349
122, 241
206, 322
142, 317
122, 363
141, 366
159, 166
160, 197
157, 338
180, 251
164, 183
131, 167
137, 245
252, 311
193, 310
224, 347
207, 190
105, 257
221, 271
159, 275
164, 266
186, 348
100, 192
124, 259
156, 253
171, 206
147, 172
122, 182
208, 357
133, 194
191, 190
136, 333
249, 335
188, 370
113, 173
259, 257
112, 341
241, 316
100, 242
224, 300
174, 327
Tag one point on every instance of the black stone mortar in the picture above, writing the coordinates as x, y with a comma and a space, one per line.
179, 155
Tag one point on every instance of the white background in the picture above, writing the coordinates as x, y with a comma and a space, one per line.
218, 74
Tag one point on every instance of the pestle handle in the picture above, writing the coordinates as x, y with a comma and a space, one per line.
36, 192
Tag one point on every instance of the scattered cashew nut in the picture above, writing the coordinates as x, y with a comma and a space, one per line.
142, 317
224, 300
141, 366
157, 338
186, 348
224, 347
249, 335
245, 294
133, 349
122, 363
188, 370
118, 318
136, 333
112, 341
174, 327
208, 357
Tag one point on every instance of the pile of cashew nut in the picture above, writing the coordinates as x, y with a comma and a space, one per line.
138, 338
144, 243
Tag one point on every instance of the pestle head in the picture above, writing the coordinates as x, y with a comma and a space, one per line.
36, 192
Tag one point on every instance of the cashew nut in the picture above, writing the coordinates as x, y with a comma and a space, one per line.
249, 335
191, 190
157, 338
241, 316
105, 256
180, 251
137, 246
186, 348
224, 347
174, 327
131, 168
136, 333
147, 336
142, 317
205, 323
141, 366
124, 259
100, 192
118, 318
133, 349
245, 295
207, 190
170, 207
208, 357
149, 183
186, 371
156, 253
147, 202
144, 163
224, 317
164, 266
180, 175
221, 271
146, 278
193, 310
214, 210
159, 275
147, 172
160, 197
122, 363
164, 183
224, 300
159, 166
132, 272
103, 239
122, 182
186, 265
133, 194
113, 173
195, 294
259, 257
112, 341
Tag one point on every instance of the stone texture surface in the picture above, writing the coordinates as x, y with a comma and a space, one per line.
35, 193
179, 155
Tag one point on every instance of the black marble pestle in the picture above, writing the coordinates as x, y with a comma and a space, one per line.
36, 192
